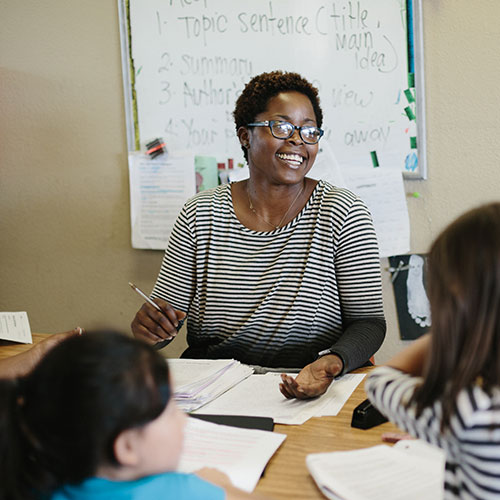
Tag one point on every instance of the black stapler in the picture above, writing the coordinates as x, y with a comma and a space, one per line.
366, 416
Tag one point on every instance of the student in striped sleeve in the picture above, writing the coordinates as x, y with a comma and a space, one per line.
278, 270
445, 388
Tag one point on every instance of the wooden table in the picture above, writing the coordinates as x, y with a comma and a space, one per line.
8, 349
286, 475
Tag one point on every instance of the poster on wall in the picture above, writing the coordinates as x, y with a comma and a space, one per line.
412, 304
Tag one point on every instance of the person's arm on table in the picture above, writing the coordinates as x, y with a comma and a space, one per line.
391, 387
409, 361
364, 323
24, 362
315, 378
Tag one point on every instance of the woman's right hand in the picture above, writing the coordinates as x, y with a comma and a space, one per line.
154, 326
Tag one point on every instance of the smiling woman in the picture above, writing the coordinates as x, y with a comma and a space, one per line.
278, 270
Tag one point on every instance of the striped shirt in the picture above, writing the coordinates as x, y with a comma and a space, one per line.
276, 298
472, 442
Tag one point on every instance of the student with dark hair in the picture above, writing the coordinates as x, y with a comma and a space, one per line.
278, 270
95, 419
445, 387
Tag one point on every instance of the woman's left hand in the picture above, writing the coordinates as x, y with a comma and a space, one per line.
313, 380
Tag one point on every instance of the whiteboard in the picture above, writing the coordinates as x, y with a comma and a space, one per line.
186, 61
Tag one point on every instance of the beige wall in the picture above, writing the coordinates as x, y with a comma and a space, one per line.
64, 222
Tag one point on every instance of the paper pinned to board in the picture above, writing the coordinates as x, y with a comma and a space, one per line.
14, 326
382, 190
158, 189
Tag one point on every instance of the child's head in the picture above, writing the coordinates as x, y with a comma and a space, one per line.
464, 293
100, 400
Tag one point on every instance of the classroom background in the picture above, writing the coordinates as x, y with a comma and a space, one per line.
66, 256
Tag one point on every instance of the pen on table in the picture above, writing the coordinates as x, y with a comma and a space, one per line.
145, 297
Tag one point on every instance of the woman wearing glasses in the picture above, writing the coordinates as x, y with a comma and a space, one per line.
278, 270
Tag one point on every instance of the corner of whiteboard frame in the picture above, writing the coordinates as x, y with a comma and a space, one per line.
418, 33
125, 51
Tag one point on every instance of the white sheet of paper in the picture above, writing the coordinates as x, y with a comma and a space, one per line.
241, 453
423, 449
339, 392
259, 395
383, 192
15, 326
158, 189
377, 473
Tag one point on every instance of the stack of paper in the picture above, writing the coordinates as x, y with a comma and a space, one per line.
199, 381
241, 453
411, 470
259, 395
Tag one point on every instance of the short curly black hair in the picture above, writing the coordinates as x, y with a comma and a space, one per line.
261, 88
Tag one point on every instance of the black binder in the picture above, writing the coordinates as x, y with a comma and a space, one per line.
246, 422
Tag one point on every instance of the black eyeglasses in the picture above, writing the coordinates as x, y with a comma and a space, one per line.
284, 130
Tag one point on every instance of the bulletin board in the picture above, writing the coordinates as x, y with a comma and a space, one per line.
186, 61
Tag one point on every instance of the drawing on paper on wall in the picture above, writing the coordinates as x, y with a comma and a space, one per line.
418, 303
412, 303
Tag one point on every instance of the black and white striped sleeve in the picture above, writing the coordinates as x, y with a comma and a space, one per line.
357, 266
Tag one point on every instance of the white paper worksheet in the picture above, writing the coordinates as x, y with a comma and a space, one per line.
379, 473
158, 189
259, 395
241, 453
15, 326
383, 192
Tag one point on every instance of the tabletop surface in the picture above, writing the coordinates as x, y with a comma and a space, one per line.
8, 348
286, 475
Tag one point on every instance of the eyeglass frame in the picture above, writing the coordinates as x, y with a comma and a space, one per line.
270, 123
